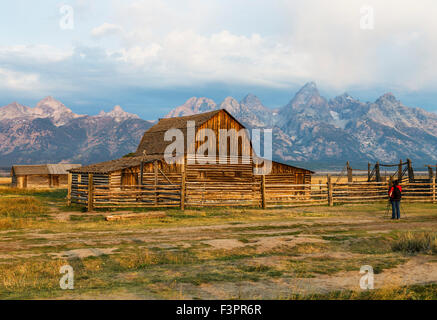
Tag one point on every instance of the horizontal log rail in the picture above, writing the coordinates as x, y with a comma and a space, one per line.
273, 192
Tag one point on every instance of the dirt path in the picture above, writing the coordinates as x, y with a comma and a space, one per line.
209, 234
272, 245
419, 270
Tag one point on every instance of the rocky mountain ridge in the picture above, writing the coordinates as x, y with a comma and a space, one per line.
308, 129
311, 128
51, 132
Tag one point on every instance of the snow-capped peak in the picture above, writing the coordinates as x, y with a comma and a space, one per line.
118, 114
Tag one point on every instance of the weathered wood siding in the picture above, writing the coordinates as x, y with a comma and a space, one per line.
40, 181
223, 121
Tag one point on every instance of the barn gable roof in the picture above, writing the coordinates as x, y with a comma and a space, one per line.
153, 139
43, 169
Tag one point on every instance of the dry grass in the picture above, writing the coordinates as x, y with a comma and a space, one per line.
341, 179
355, 178
5, 181
145, 258
172, 257
26, 207
417, 242
427, 292
31, 275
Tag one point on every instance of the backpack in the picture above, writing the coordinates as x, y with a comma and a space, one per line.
397, 194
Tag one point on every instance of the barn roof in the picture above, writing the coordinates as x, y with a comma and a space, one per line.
154, 145
115, 165
61, 168
153, 139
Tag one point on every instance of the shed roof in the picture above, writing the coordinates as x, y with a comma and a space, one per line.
30, 169
115, 165
39, 169
61, 168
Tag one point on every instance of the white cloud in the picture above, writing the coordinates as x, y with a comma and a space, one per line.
273, 44
18, 80
39, 53
318, 40
184, 57
106, 29
397, 52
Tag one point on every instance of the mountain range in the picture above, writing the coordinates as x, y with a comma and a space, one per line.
309, 130
51, 132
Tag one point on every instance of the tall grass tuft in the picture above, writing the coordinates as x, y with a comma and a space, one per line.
416, 242
145, 258
30, 275
26, 207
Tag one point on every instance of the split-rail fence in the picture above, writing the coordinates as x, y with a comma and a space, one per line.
96, 192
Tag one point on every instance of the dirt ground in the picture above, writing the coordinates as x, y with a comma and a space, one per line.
226, 253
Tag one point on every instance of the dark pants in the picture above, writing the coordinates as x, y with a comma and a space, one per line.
395, 209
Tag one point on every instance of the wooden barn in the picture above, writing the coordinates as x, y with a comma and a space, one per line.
146, 178
41, 175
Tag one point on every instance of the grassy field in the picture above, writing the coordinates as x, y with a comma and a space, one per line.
225, 253
355, 178
5, 181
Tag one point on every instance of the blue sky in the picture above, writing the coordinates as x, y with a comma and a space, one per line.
150, 56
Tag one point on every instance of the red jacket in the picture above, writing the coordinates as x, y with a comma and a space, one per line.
390, 192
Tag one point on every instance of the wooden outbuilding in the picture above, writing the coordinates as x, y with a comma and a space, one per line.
41, 175
232, 179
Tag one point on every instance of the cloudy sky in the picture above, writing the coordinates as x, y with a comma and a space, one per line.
150, 56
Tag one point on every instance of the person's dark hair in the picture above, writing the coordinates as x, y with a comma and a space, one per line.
395, 182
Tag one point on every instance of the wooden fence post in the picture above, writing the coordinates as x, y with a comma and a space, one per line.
141, 173
70, 181
400, 172
430, 174
155, 167
263, 191
183, 178
330, 193
90, 193
349, 173
377, 172
433, 190
410, 171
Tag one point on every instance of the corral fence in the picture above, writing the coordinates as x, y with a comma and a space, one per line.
97, 192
